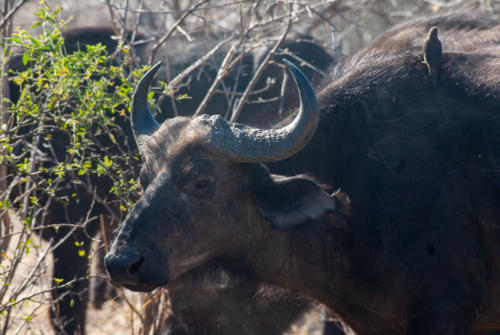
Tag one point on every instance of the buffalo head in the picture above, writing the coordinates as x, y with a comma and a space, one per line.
206, 193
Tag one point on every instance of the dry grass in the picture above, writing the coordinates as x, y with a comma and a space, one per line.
114, 318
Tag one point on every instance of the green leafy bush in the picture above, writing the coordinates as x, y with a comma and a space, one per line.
67, 134
72, 103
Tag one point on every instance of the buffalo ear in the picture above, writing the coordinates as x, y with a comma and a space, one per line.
289, 202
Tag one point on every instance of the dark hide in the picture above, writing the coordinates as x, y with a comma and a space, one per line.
226, 303
421, 250
385, 132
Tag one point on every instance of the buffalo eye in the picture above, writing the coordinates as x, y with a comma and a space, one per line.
201, 184
201, 187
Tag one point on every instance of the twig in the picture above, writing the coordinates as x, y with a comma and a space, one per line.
103, 233
262, 101
97, 198
31, 314
114, 21
303, 61
353, 24
177, 11
282, 92
239, 107
136, 25
55, 225
444, 4
185, 33
4, 106
123, 30
49, 249
259, 91
129, 303
5, 234
221, 74
31, 273
331, 9
28, 188
333, 30
71, 282
172, 29
12, 12
281, 17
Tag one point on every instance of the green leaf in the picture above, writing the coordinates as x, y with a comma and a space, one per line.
15, 40
26, 58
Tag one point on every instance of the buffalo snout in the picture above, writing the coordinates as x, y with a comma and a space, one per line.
134, 270
124, 266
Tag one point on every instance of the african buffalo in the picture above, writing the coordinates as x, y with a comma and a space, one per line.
69, 312
419, 252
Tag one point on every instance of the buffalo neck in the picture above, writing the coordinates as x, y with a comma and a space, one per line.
313, 260
331, 266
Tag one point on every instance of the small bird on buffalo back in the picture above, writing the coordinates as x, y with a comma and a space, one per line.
432, 50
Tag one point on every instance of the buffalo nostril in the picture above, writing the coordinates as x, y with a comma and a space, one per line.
123, 267
134, 268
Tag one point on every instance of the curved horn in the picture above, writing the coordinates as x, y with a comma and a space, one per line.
248, 144
141, 119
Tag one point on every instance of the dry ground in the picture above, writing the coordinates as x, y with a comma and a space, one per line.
114, 318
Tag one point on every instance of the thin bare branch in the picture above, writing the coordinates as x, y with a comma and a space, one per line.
221, 74
31, 296
114, 20
172, 29
241, 103
177, 11
284, 82
11, 13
